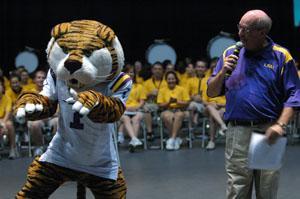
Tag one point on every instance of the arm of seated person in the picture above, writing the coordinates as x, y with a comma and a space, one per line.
182, 103
136, 108
196, 98
164, 105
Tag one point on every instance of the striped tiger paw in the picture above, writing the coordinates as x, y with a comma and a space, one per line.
29, 106
84, 102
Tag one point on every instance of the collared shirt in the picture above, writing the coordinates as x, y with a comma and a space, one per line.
179, 93
152, 84
135, 96
13, 95
5, 106
261, 84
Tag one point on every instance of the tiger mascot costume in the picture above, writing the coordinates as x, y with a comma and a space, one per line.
86, 82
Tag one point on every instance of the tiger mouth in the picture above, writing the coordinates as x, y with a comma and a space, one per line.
75, 84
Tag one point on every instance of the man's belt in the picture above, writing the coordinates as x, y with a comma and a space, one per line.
248, 122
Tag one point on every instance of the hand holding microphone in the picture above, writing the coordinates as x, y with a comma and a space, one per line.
231, 61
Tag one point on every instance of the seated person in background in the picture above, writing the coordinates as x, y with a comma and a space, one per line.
187, 75
15, 88
215, 109
6, 123
138, 68
195, 87
36, 127
26, 81
173, 100
131, 119
5, 80
168, 66
151, 88
13, 93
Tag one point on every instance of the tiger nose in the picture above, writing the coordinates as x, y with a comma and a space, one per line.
72, 65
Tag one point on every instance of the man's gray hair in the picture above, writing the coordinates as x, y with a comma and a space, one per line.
264, 23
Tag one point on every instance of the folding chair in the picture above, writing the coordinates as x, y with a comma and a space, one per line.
23, 138
203, 125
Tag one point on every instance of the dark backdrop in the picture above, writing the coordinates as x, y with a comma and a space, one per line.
187, 25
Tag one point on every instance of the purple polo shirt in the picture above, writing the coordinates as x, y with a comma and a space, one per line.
261, 84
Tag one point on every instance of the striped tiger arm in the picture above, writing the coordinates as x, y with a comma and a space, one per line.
108, 110
31, 97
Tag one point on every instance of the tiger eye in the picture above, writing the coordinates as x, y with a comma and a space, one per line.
87, 53
64, 49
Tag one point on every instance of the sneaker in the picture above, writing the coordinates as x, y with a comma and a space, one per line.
13, 154
135, 142
38, 151
211, 145
177, 143
222, 131
121, 138
170, 144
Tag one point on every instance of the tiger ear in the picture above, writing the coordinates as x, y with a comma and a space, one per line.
106, 34
60, 29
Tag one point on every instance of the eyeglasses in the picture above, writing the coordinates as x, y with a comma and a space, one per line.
244, 29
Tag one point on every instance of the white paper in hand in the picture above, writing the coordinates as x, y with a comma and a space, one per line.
263, 155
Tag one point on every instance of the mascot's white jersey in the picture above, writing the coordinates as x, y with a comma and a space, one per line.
79, 143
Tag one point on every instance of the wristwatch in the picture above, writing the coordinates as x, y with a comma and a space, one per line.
282, 125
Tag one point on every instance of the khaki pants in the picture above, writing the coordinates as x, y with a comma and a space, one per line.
240, 177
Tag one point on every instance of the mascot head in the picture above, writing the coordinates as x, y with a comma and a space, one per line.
84, 53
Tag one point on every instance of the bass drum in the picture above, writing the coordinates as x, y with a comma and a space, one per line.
160, 51
218, 44
28, 59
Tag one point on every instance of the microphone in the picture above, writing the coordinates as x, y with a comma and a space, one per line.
238, 46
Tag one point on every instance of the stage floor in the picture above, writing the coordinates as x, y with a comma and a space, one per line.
155, 174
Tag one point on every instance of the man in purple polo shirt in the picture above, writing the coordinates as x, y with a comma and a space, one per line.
262, 93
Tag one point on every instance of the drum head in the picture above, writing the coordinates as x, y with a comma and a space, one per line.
218, 44
27, 59
160, 52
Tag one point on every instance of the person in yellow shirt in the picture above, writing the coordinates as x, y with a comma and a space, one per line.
13, 93
19, 71
26, 81
168, 66
138, 68
36, 127
6, 123
173, 99
5, 80
215, 109
189, 74
131, 119
151, 88
15, 88
195, 87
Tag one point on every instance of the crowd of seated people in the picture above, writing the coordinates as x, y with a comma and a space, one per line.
10, 88
159, 89
173, 95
